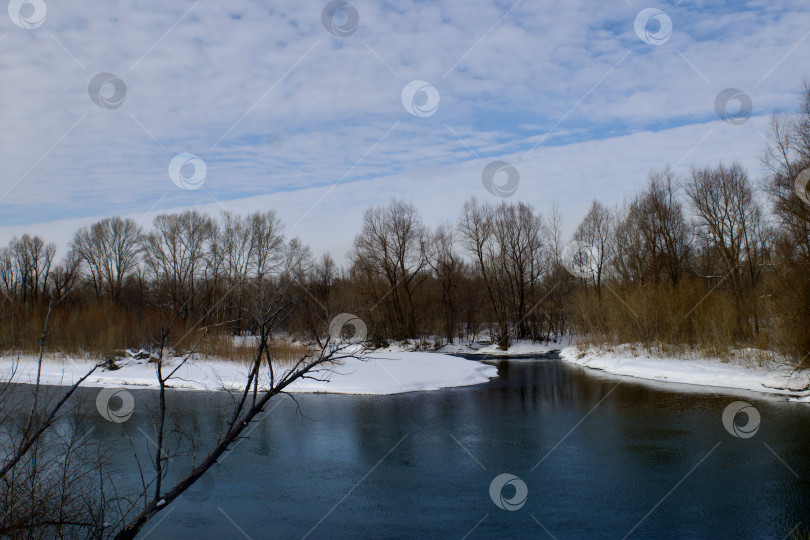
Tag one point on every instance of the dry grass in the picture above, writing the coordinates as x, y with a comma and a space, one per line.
224, 347
103, 331
799, 533
674, 321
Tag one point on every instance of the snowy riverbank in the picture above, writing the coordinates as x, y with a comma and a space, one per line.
772, 378
516, 348
378, 373
397, 370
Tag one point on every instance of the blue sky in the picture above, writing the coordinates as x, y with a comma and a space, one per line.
285, 114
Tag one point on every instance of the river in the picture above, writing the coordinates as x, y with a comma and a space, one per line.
596, 456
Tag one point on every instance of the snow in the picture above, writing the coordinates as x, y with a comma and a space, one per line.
376, 373
516, 348
473, 347
397, 370
772, 378
522, 348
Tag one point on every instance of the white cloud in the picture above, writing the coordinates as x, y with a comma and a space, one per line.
301, 108
570, 175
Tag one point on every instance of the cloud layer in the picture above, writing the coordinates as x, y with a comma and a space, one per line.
281, 111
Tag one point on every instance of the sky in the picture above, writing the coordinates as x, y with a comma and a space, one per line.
321, 109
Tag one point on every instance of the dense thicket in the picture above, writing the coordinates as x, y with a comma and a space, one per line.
708, 260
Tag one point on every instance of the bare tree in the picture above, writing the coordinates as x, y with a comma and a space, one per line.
8, 273
48, 483
247, 246
110, 249
730, 221
554, 225
560, 281
57, 490
447, 267
390, 254
25, 266
630, 258
476, 227
65, 275
321, 290
265, 380
521, 239
509, 246
787, 156
267, 248
596, 230
652, 239
175, 253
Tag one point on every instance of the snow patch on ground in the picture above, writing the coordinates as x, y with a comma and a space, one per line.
396, 372
516, 348
459, 348
522, 348
377, 373
773, 378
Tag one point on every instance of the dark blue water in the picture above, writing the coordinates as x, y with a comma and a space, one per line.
601, 457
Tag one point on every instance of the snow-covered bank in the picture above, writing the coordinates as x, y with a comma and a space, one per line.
628, 361
377, 373
516, 348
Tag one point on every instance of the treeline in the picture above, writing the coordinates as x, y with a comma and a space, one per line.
119, 285
687, 262
710, 260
